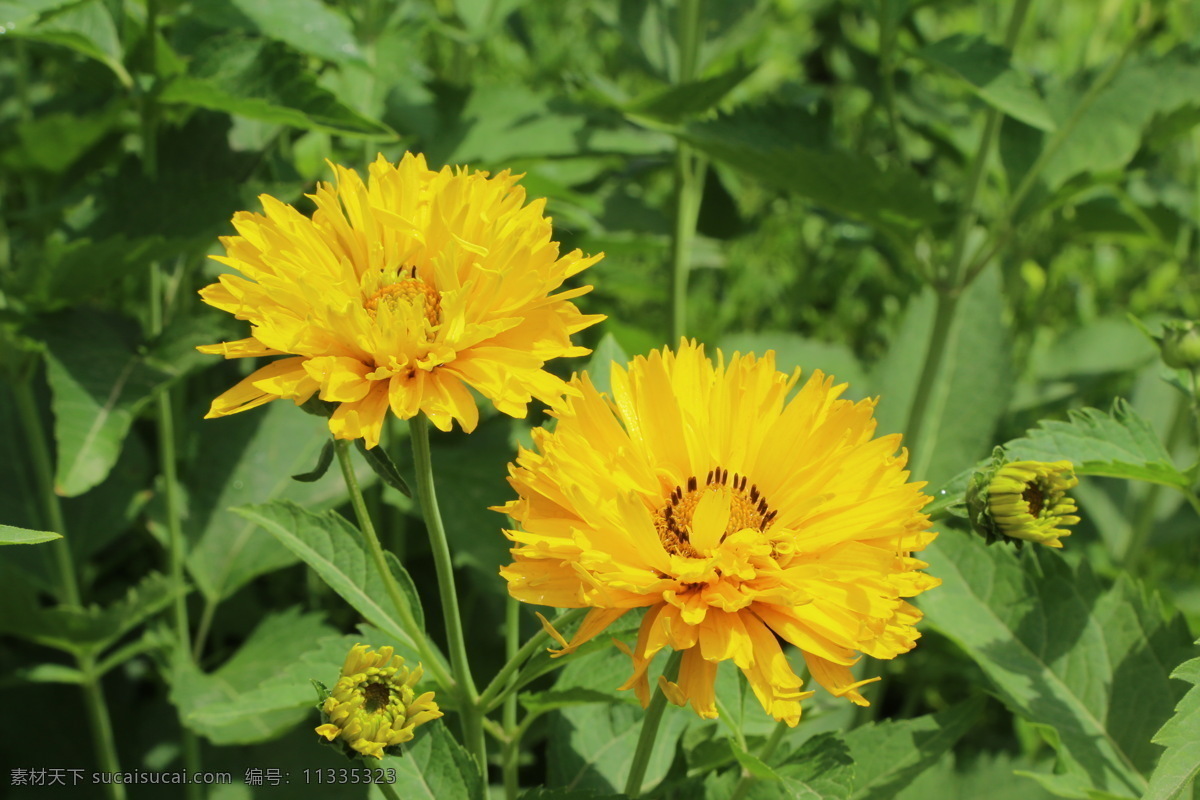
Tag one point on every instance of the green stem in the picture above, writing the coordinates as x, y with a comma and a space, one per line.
101, 724
512, 746
498, 689
887, 65
650, 723
407, 620
148, 105
470, 708
764, 755
175, 540
689, 176
947, 305
388, 790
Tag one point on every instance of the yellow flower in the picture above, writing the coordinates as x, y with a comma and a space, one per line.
732, 516
373, 706
1024, 501
401, 293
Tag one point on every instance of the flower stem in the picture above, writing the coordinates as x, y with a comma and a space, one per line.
500, 686
689, 175
512, 746
947, 305
101, 724
388, 791
469, 697
175, 540
645, 744
768, 750
409, 623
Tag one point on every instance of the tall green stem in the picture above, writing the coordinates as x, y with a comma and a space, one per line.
501, 685
689, 175
407, 620
650, 723
887, 66
935, 352
512, 745
469, 697
93, 692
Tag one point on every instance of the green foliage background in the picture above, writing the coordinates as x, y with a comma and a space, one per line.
842, 152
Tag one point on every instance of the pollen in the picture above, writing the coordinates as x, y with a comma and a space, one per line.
748, 509
409, 290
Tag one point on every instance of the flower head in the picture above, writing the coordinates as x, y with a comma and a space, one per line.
374, 706
736, 518
400, 293
1024, 501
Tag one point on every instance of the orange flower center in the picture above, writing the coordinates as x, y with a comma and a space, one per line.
747, 509
376, 696
408, 290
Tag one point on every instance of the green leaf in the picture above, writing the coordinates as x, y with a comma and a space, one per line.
309, 26
889, 755
99, 381
985, 68
269, 673
793, 350
81, 630
766, 144
1119, 444
323, 462
87, 28
11, 535
248, 458
382, 465
975, 375
599, 366
436, 767
542, 793
541, 702
268, 82
1083, 663
336, 551
674, 104
822, 769
1180, 764
987, 776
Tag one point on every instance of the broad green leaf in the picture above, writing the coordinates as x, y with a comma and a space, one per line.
821, 769
81, 630
248, 458
599, 366
987, 776
436, 767
793, 350
99, 381
889, 755
541, 702
52, 142
542, 793
268, 82
87, 28
63, 273
971, 391
269, 672
336, 551
1180, 764
11, 535
985, 68
309, 26
673, 104
591, 746
1119, 444
1085, 664
753, 140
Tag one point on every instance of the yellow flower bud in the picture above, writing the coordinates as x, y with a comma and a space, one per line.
1024, 501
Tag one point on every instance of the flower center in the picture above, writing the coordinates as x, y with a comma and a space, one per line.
1035, 498
376, 696
409, 290
678, 524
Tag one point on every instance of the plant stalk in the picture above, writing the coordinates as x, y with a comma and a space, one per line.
689, 175
512, 745
650, 724
498, 689
470, 708
768, 750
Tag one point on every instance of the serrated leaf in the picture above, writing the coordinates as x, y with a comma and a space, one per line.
11, 535
82, 630
673, 104
436, 767
336, 551
985, 68
889, 755
1180, 764
99, 382
1084, 663
268, 82
1117, 445
821, 769
208, 702
383, 466
896, 200
322, 466
592, 746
